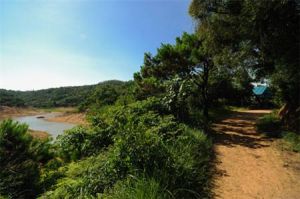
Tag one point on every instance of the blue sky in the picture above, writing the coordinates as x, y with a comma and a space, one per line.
62, 42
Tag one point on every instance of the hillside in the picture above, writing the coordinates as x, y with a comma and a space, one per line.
53, 97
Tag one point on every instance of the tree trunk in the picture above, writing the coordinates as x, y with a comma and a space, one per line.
290, 117
205, 97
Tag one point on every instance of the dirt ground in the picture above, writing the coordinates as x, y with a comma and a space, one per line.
9, 112
249, 165
39, 134
73, 118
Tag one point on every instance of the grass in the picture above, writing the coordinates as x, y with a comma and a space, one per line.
138, 188
291, 141
237, 108
270, 125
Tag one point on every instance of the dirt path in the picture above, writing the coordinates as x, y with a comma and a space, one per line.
249, 165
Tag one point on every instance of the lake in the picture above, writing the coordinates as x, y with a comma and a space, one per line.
40, 124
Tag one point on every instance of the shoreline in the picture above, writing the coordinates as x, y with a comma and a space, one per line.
72, 118
10, 112
39, 134
61, 115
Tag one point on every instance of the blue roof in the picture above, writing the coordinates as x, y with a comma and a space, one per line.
259, 90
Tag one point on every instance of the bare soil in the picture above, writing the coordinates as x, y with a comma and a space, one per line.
39, 134
250, 165
73, 118
9, 112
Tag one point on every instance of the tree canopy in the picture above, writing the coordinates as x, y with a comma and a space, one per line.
263, 35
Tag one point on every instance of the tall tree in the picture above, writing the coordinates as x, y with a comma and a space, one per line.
188, 59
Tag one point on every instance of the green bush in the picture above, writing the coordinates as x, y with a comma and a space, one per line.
87, 177
168, 159
81, 142
292, 140
270, 125
21, 157
72, 144
144, 143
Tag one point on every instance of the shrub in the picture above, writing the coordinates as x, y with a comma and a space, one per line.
71, 145
174, 155
144, 144
21, 156
133, 140
269, 124
81, 142
87, 177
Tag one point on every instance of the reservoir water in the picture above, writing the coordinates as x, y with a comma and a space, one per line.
38, 122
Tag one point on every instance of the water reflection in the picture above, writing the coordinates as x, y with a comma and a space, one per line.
38, 122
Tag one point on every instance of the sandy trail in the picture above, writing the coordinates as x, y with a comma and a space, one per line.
249, 165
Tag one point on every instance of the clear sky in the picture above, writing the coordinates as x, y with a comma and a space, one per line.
62, 42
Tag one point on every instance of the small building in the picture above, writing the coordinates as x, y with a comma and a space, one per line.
262, 94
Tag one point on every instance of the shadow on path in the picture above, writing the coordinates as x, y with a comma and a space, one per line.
239, 129
246, 161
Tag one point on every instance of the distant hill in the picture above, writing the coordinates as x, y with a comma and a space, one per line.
55, 97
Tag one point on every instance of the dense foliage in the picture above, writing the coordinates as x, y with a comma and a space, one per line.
106, 92
262, 36
132, 146
189, 80
21, 157
10, 98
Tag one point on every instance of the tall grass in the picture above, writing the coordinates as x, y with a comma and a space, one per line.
271, 126
137, 188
